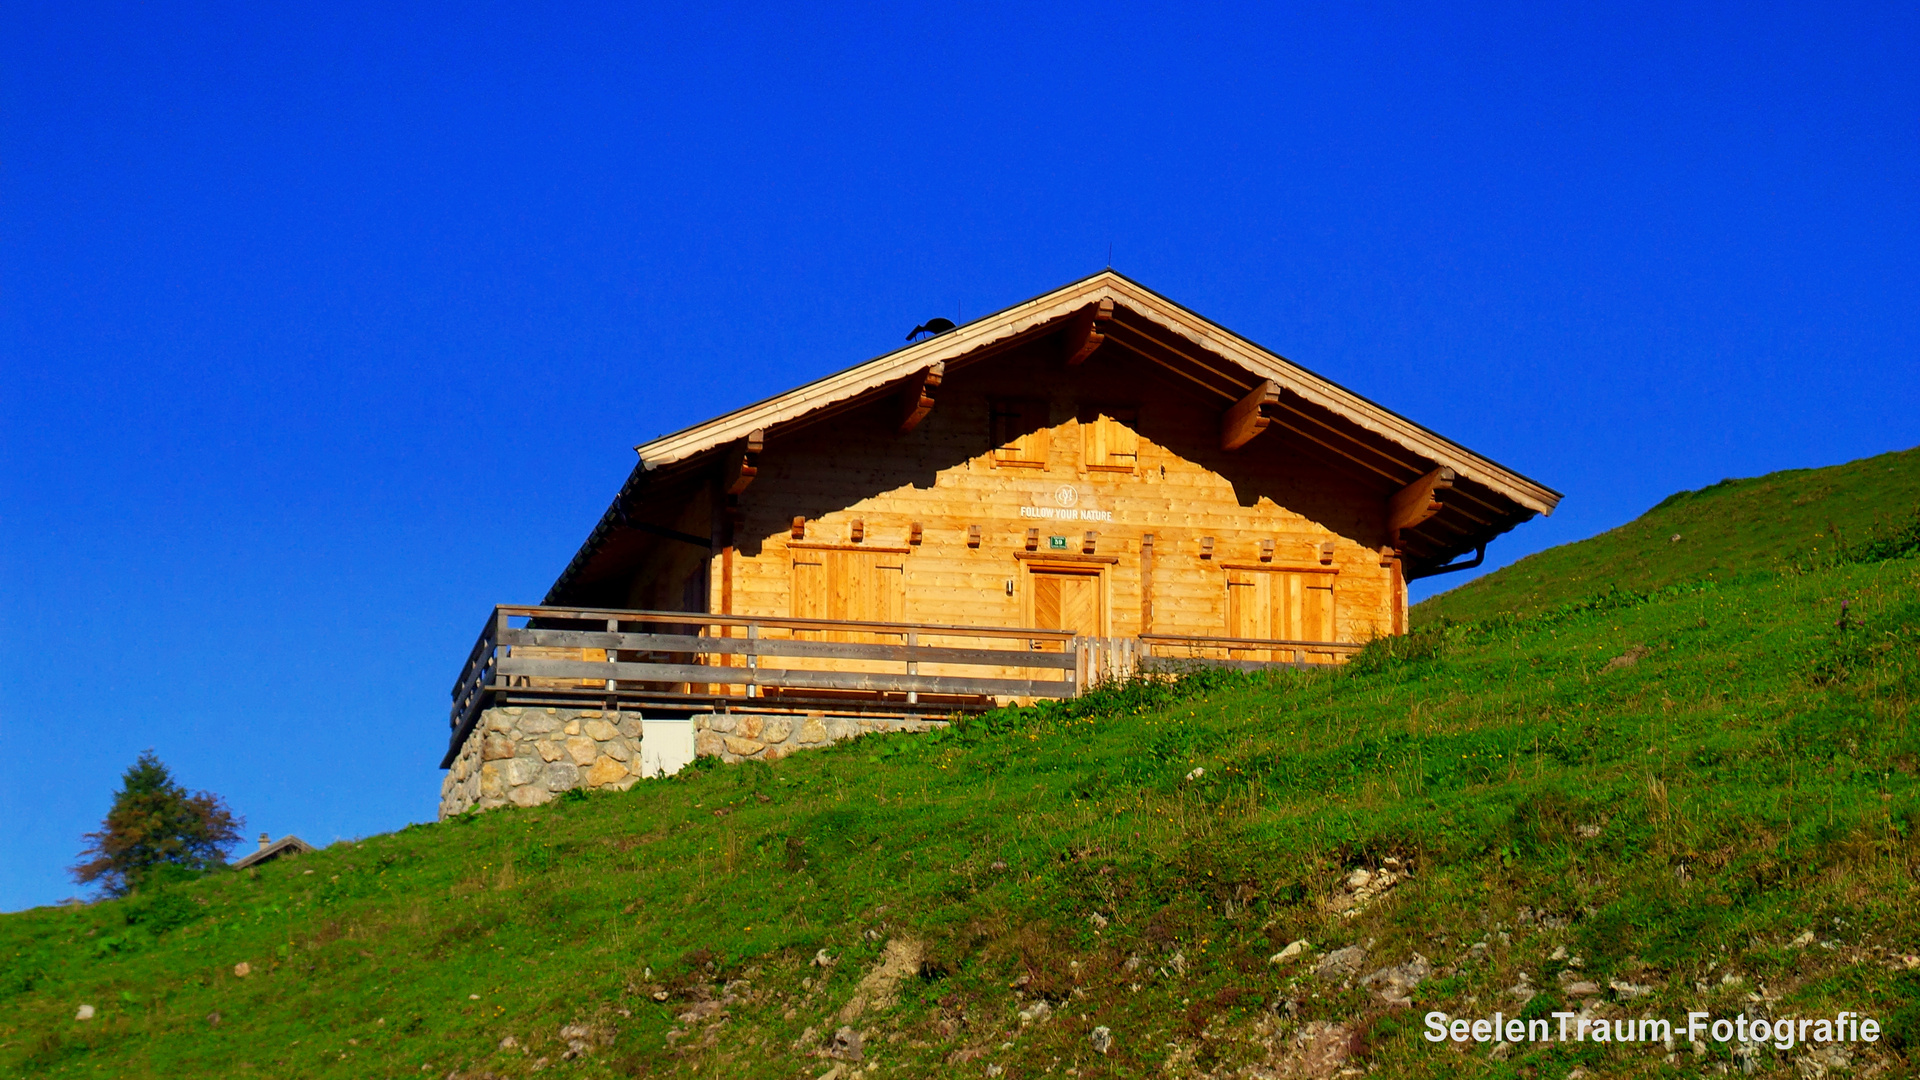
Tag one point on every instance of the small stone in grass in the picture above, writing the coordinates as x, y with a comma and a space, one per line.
473, 997
845, 1045
1292, 950
242, 969
85, 1013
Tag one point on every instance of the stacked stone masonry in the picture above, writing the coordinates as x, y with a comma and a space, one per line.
525, 756
734, 737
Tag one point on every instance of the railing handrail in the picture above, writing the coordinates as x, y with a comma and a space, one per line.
480, 644
781, 622
1252, 643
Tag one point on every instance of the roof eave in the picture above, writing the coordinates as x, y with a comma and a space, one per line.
1028, 315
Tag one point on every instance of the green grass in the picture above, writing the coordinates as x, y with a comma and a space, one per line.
1672, 822
1735, 527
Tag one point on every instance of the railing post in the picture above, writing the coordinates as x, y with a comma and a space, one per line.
490, 654
753, 660
913, 666
613, 657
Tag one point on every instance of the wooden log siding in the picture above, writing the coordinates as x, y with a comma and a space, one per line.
727, 655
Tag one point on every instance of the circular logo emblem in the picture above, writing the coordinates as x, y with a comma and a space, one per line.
1066, 496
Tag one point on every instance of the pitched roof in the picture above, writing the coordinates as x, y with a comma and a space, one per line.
1373, 441
286, 845
1020, 319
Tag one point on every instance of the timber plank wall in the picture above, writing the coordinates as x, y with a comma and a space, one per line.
1266, 507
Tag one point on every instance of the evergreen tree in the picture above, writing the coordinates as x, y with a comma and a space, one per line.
156, 828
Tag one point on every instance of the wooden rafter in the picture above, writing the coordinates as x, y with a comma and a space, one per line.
1146, 347
743, 462
1445, 521
1087, 330
1418, 501
1408, 467
1455, 509
1282, 422
917, 402
1464, 493
651, 529
1317, 452
1249, 416
1219, 368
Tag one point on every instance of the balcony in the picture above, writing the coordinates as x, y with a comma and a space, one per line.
676, 661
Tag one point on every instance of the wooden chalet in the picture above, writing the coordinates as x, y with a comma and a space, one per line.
1086, 483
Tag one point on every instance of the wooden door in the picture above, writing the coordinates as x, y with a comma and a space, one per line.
1068, 600
1280, 605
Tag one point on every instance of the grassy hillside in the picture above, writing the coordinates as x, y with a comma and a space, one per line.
1699, 799
1734, 527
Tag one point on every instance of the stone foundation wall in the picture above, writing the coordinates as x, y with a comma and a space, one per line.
525, 756
733, 737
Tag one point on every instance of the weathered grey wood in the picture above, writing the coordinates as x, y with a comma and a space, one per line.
516, 667
925, 684
693, 618
877, 651
482, 647
919, 654
788, 701
1251, 643
490, 670
1172, 663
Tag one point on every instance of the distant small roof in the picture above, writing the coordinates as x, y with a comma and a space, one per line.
286, 845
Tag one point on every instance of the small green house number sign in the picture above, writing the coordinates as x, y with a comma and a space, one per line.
1057, 543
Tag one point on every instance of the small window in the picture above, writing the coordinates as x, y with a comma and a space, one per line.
1020, 433
1108, 439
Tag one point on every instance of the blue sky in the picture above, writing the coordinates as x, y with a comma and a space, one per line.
326, 327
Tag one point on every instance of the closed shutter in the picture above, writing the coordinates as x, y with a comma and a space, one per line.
861, 586
1020, 432
1108, 439
1280, 605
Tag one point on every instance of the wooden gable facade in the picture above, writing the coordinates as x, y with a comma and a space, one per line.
1097, 460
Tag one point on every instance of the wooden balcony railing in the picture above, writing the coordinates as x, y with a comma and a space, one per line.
541, 655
